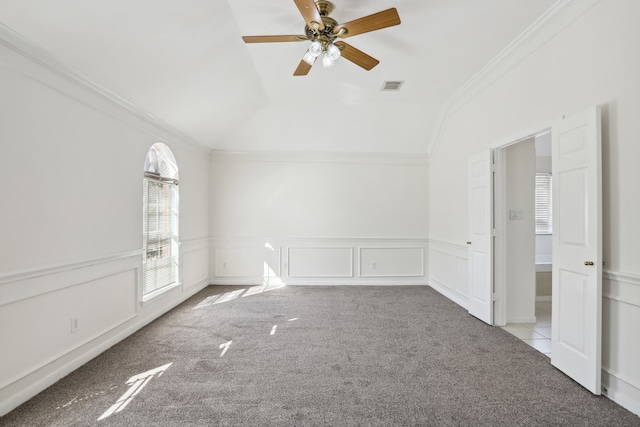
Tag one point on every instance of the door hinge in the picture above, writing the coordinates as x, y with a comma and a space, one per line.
494, 232
494, 297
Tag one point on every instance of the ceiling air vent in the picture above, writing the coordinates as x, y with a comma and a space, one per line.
392, 85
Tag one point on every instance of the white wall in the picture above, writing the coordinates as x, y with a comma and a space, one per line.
71, 220
323, 218
520, 231
354, 127
594, 60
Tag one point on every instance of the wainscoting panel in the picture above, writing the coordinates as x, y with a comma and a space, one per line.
246, 261
55, 322
449, 270
443, 268
462, 275
620, 343
194, 262
392, 262
320, 262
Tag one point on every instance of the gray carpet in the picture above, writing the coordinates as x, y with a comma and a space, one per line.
319, 356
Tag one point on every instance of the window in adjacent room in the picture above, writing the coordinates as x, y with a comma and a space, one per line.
544, 213
160, 222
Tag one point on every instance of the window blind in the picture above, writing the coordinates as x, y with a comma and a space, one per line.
160, 263
544, 212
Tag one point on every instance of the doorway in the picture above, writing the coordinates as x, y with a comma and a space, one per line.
526, 242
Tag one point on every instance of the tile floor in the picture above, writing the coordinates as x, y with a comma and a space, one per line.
537, 335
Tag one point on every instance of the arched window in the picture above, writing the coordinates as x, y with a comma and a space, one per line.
160, 221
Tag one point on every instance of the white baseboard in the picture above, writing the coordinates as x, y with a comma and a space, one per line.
621, 392
452, 295
321, 282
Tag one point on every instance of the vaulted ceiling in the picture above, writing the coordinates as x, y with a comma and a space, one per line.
185, 63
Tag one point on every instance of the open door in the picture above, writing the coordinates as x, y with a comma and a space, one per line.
481, 236
577, 248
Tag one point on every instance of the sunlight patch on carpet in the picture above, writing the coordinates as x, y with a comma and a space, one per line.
136, 383
270, 282
218, 299
225, 347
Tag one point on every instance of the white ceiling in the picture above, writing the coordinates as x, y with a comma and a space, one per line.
184, 62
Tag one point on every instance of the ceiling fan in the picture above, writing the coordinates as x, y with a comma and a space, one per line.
323, 31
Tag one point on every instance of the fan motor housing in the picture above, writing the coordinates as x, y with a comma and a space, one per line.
329, 25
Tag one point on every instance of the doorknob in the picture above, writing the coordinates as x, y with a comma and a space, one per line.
588, 263
468, 243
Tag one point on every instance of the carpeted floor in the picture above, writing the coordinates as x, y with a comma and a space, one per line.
319, 356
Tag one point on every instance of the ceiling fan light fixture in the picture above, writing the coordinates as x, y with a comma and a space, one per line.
315, 49
309, 58
333, 51
331, 54
327, 61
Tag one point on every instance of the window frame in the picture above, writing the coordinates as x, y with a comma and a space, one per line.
160, 245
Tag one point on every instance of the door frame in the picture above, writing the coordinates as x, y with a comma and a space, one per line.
500, 218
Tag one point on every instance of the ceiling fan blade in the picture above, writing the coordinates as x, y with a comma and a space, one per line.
303, 69
310, 13
384, 19
356, 56
273, 39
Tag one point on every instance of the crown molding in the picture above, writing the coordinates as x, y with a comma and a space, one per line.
558, 17
37, 55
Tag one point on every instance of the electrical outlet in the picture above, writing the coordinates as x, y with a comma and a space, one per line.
75, 324
374, 265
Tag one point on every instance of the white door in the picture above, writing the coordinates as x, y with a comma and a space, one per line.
481, 236
577, 248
